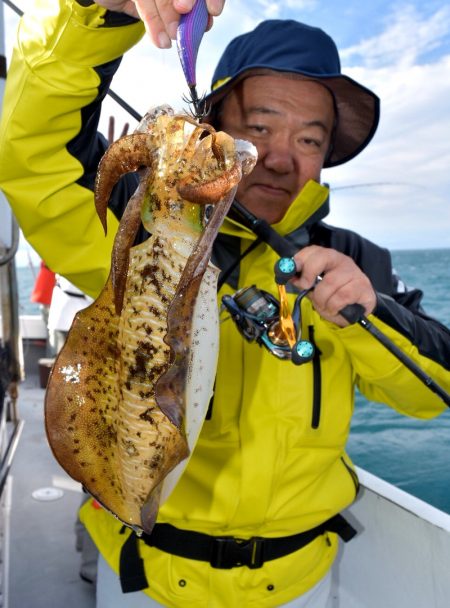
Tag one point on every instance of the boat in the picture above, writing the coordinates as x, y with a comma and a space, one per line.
399, 559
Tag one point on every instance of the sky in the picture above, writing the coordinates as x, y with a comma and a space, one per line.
396, 192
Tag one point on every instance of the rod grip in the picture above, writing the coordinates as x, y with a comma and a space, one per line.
352, 313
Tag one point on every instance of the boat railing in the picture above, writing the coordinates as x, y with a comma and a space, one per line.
11, 374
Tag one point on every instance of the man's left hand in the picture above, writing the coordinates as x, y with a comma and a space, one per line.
343, 282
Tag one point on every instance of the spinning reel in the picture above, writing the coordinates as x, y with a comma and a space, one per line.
261, 318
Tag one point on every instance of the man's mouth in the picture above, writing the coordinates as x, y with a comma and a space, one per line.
272, 189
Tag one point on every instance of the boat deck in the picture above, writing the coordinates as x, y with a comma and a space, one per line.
43, 561
399, 558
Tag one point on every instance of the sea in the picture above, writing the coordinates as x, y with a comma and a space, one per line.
412, 454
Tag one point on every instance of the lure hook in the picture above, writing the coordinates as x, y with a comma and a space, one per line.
197, 105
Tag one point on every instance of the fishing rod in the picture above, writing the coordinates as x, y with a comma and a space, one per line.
353, 313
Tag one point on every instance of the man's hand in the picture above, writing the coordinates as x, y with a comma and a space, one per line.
342, 282
161, 17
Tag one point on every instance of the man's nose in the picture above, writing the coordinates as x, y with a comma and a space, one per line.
279, 156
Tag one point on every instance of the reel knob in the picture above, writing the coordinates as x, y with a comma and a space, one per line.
302, 352
284, 270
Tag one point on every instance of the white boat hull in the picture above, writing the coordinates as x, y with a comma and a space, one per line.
401, 556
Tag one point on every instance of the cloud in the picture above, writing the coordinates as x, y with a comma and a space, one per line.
408, 36
268, 9
406, 165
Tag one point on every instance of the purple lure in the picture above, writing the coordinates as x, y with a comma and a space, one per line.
189, 35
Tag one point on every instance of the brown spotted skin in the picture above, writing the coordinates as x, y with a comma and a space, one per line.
116, 400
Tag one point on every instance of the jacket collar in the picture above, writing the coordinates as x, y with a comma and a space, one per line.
310, 206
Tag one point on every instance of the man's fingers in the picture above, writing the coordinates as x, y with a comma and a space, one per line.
332, 295
342, 282
313, 261
161, 17
183, 6
160, 20
215, 7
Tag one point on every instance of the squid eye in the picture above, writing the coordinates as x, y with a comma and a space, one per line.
207, 212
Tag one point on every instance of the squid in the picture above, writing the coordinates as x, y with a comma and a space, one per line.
129, 391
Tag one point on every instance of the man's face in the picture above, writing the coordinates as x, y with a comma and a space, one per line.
290, 122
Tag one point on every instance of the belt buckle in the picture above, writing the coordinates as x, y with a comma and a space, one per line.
230, 552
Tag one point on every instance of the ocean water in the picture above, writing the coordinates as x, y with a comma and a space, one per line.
409, 453
412, 454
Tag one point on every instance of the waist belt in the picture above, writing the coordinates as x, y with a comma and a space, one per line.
220, 551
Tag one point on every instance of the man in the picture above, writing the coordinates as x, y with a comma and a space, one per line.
270, 464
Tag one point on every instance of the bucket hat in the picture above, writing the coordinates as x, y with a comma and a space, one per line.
293, 47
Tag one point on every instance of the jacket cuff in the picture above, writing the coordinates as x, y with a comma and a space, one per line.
91, 14
431, 337
111, 18
393, 314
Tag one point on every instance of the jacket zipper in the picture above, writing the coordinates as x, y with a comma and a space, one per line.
317, 381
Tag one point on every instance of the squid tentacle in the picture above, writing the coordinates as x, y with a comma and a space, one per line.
212, 191
168, 387
124, 239
216, 150
193, 140
129, 153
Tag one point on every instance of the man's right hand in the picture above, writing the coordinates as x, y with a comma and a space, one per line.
160, 17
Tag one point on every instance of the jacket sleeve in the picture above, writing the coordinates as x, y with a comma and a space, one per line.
381, 376
62, 64
399, 315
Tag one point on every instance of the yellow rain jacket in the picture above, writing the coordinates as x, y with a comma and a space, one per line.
270, 460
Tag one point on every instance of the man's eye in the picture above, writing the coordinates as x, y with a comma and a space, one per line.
257, 128
311, 142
